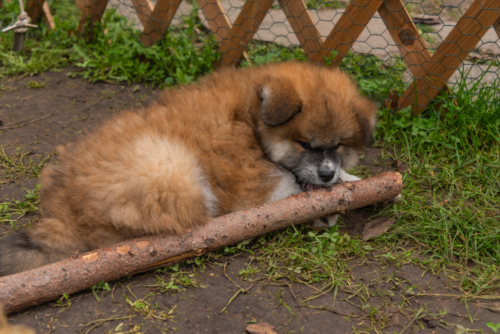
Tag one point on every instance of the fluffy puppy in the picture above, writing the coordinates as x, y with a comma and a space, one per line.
237, 139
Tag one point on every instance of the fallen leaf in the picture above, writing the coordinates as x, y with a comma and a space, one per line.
401, 166
262, 328
377, 227
368, 248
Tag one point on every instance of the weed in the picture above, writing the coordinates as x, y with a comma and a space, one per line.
260, 53
63, 302
375, 78
493, 327
12, 211
179, 281
145, 308
249, 271
35, 84
20, 166
98, 287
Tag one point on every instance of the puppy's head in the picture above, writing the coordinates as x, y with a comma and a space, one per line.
313, 121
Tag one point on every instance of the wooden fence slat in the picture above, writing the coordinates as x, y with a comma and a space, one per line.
80, 4
48, 16
431, 73
143, 8
247, 23
216, 18
497, 27
92, 12
481, 15
303, 26
405, 34
347, 30
410, 43
34, 8
158, 22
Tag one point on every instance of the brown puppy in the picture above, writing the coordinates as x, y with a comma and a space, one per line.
240, 138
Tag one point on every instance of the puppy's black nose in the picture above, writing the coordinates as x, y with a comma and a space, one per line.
326, 175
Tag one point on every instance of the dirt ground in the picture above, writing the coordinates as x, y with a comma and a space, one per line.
381, 293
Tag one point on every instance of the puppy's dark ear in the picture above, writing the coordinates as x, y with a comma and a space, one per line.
280, 102
366, 111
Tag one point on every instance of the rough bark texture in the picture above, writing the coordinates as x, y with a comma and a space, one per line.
69, 276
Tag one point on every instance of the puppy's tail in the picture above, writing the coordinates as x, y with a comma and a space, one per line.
19, 253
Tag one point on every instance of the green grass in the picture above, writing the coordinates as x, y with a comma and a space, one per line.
119, 55
44, 50
302, 255
12, 211
116, 53
20, 167
452, 189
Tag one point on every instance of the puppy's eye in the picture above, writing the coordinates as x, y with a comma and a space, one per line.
305, 146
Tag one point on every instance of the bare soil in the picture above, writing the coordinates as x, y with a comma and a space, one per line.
381, 293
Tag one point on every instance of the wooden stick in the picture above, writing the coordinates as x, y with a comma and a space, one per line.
69, 276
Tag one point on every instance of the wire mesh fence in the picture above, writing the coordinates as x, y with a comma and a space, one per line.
417, 48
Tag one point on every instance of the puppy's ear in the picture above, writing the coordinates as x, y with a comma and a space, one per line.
280, 102
366, 111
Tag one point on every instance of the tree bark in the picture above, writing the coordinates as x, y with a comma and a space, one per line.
69, 276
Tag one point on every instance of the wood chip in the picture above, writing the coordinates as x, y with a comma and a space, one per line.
262, 328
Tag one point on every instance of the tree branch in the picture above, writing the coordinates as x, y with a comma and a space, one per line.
69, 276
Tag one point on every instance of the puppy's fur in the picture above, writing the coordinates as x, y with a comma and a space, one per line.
238, 139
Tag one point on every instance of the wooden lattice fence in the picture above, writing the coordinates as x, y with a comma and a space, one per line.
430, 72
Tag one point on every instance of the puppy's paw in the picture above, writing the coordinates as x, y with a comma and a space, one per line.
322, 223
346, 177
394, 200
